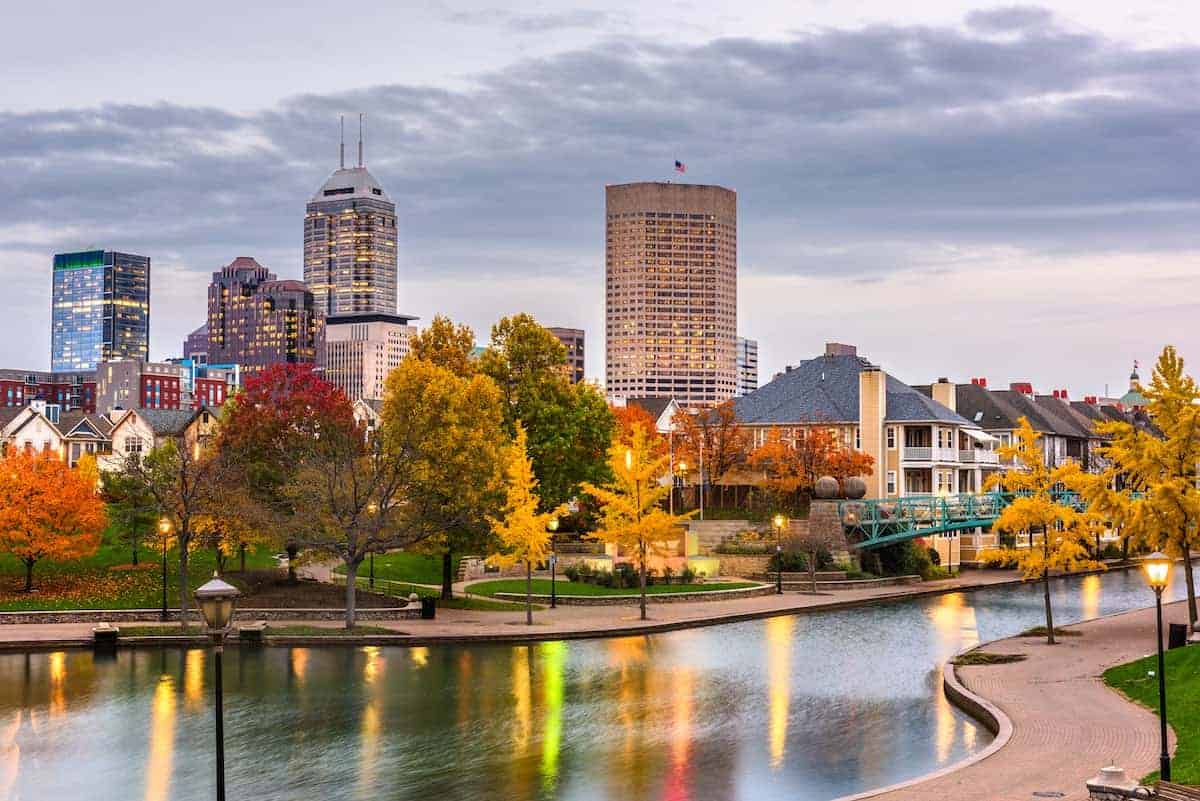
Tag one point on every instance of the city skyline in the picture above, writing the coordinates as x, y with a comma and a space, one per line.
1048, 211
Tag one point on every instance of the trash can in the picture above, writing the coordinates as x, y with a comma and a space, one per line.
1178, 635
428, 608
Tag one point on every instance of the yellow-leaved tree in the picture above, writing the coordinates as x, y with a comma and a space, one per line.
1034, 509
1148, 488
632, 515
523, 532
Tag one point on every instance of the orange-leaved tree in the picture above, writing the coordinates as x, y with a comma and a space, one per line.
523, 532
791, 466
632, 517
48, 510
711, 441
1034, 509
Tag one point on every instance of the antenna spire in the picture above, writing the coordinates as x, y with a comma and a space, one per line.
360, 139
342, 143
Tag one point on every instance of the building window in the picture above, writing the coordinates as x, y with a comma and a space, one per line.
858, 439
891, 438
891, 482
133, 444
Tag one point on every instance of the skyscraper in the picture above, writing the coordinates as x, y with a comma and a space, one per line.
100, 309
255, 320
350, 242
572, 339
671, 292
747, 365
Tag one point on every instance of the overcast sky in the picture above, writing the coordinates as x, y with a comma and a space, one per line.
1005, 191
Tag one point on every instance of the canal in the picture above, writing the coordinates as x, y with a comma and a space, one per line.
809, 706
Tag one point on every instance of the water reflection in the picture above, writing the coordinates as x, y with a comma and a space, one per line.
807, 708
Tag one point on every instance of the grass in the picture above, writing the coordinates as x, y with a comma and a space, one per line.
542, 587
165, 630
985, 658
403, 566
1040, 631
1139, 681
109, 580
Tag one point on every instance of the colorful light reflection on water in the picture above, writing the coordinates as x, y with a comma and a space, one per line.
804, 707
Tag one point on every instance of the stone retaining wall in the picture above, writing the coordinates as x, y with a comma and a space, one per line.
743, 565
634, 600
155, 615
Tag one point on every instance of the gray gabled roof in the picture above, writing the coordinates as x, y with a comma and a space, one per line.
825, 390
654, 406
168, 421
988, 409
1064, 421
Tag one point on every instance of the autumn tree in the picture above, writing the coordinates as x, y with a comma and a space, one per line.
445, 344
1034, 509
523, 532
712, 441
632, 517
1149, 486
569, 426
186, 481
450, 430
131, 507
630, 416
279, 411
48, 510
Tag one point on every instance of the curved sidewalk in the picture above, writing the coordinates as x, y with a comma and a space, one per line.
1067, 723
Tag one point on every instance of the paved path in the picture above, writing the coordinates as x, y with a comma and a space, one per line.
575, 621
1066, 723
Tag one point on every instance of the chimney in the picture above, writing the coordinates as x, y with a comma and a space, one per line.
944, 393
872, 409
839, 349
1062, 393
1024, 387
1091, 400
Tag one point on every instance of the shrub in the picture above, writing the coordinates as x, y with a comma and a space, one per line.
1112, 551
792, 561
666, 571
624, 576
571, 572
687, 575
935, 558
903, 559
998, 557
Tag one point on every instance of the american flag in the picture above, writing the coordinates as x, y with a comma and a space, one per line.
680, 166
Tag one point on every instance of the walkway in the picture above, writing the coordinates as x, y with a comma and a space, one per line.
1066, 723
456, 625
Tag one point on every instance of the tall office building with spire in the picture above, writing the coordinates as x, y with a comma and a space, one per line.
350, 242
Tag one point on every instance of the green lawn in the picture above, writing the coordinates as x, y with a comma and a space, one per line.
542, 587
418, 568
1183, 703
108, 579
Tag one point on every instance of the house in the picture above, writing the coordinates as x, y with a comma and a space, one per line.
663, 410
368, 413
139, 431
44, 427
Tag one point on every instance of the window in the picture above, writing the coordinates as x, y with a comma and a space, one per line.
133, 444
891, 438
858, 439
891, 482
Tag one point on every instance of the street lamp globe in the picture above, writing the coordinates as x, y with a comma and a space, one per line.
779, 521
552, 525
1157, 567
682, 467
216, 600
164, 526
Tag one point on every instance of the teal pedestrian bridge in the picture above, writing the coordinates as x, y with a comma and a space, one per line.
883, 521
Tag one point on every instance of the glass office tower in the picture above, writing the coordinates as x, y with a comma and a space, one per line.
100, 309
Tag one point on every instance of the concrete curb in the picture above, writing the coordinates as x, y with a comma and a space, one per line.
651, 598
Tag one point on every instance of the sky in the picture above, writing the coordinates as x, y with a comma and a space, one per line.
961, 190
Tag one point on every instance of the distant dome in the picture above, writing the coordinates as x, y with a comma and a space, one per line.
826, 488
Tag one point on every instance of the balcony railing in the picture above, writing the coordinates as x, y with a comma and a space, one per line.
978, 456
923, 454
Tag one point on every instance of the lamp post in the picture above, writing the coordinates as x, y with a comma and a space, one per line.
216, 600
164, 531
552, 527
778, 522
683, 471
1158, 573
371, 507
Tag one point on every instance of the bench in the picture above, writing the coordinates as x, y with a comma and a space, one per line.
252, 632
1176, 792
105, 635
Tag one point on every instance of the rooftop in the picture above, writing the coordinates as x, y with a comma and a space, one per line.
350, 183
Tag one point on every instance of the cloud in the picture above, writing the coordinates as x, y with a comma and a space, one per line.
857, 153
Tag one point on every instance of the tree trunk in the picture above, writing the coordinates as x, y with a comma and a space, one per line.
642, 577
447, 578
1049, 610
242, 555
1191, 584
292, 551
812, 570
28, 574
135, 550
183, 582
351, 588
528, 593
